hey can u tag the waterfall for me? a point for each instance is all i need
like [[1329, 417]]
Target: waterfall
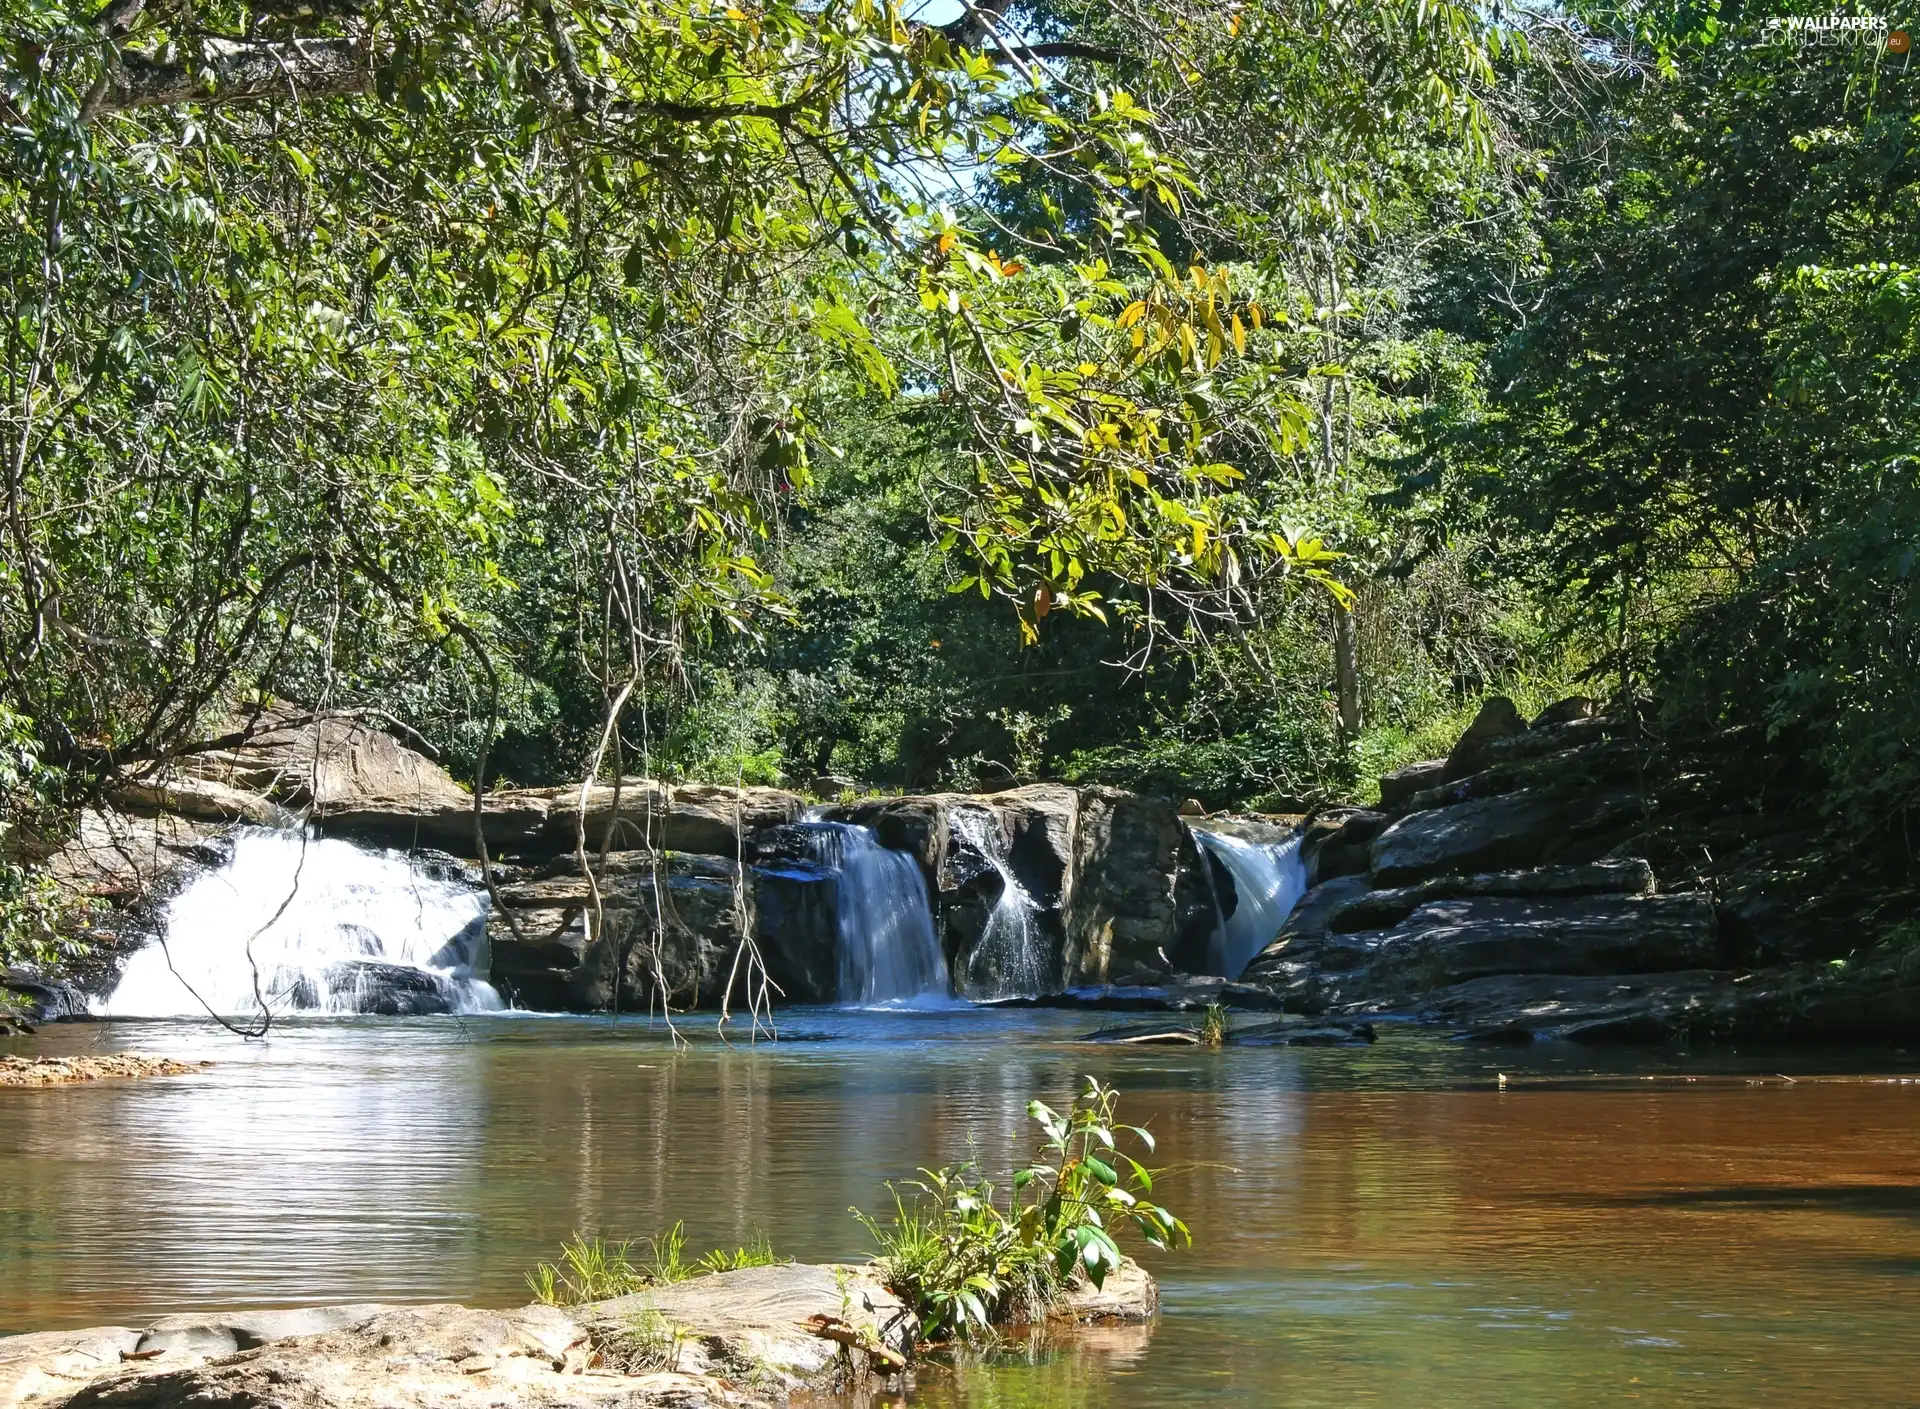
[[321, 926], [888, 952], [1010, 960], [1268, 881]]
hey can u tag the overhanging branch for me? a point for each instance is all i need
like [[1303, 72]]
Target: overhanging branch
[[237, 70]]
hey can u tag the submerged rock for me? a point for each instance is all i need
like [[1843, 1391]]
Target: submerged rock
[[1182, 996]]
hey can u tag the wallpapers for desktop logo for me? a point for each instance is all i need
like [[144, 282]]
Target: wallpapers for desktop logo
[[1839, 31]]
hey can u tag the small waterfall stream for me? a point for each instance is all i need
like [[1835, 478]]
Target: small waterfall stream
[[1009, 961], [888, 950], [327, 927], [1268, 881]]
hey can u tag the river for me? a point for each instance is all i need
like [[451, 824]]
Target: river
[[1384, 1224]]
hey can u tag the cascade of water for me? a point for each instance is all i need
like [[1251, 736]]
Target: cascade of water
[[1009, 961], [1268, 881], [888, 952], [314, 925]]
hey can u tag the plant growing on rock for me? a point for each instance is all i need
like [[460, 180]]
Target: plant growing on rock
[[593, 1269], [965, 1263], [1215, 1025]]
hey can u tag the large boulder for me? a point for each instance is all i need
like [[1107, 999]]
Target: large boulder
[[1123, 911], [1499, 718], [1378, 908], [1449, 941], [1562, 1007], [1512, 831]]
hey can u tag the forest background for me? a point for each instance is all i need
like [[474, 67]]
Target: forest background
[[1219, 399]]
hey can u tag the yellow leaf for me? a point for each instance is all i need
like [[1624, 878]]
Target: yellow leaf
[[1131, 314], [947, 241], [1239, 336]]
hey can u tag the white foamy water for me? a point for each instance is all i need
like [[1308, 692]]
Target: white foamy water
[[298, 924], [1009, 961], [1268, 881], [888, 953]]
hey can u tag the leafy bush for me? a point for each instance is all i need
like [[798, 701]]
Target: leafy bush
[[36, 917], [966, 1263]]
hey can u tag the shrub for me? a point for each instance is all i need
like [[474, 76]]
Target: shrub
[[965, 1263]]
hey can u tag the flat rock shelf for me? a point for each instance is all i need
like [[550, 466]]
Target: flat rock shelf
[[68, 1071], [741, 1339]]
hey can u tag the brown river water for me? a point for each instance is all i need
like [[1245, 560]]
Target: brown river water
[[1379, 1225]]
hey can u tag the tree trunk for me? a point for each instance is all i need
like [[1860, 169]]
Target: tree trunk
[[1346, 671]]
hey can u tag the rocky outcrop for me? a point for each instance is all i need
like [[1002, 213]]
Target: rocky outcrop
[[1526, 828], [1525, 897], [1125, 911], [354, 780], [681, 913], [749, 1339]]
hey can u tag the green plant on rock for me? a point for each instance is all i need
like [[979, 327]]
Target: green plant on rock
[[965, 1263], [590, 1269], [1215, 1025], [595, 1269], [758, 1253]]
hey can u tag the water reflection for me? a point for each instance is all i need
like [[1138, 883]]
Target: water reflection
[[1379, 1224]]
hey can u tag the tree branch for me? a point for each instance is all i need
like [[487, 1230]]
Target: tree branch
[[236, 70]]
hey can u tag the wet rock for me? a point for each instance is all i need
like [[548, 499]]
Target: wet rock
[[383, 990], [797, 907], [41, 1000], [1302, 937], [48, 1367], [1176, 996], [1291, 1032], [1514, 831], [1128, 1295], [1529, 1007], [553, 965], [1305, 1034], [1336, 842]]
